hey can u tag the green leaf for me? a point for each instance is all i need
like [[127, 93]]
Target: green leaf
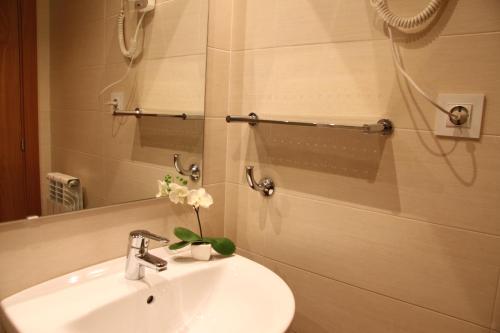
[[222, 245], [186, 235], [178, 245], [200, 242]]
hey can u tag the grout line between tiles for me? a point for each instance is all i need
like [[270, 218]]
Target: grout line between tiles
[[367, 290], [353, 41], [173, 56], [407, 129], [114, 159], [214, 184], [495, 304], [228, 98], [204, 103], [306, 44], [218, 49], [343, 204]]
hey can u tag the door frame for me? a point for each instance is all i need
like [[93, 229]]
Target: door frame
[[29, 102]]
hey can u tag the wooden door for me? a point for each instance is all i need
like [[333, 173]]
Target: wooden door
[[18, 121]]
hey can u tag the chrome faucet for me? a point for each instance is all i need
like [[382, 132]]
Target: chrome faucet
[[138, 256]]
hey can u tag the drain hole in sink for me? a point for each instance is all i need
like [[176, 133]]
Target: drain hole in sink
[[150, 299]]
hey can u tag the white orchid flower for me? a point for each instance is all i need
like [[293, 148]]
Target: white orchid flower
[[199, 198], [162, 189], [178, 193]]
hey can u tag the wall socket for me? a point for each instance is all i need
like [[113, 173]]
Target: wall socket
[[468, 107], [119, 96], [473, 103], [143, 5]]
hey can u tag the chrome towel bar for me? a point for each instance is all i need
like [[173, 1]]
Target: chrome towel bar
[[383, 126], [139, 113]]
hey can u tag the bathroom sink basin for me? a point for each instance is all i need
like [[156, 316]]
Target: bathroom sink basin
[[230, 294]]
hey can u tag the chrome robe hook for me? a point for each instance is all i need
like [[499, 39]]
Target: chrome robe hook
[[193, 172], [265, 186]]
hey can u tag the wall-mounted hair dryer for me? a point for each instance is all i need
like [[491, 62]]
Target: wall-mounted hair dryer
[[133, 49]]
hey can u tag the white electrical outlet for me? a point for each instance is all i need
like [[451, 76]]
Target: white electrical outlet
[[119, 97], [468, 107], [143, 5], [473, 103]]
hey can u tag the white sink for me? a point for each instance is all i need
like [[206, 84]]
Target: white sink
[[231, 294]]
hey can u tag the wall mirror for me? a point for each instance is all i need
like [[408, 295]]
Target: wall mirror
[[71, 85]]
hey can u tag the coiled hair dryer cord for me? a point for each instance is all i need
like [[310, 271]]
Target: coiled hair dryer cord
[[411, 22], [399, 22], [132, 52]]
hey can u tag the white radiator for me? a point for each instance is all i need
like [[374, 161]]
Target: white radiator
[[65, 193]]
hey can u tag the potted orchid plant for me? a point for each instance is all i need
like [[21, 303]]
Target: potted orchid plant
[[201, 246]]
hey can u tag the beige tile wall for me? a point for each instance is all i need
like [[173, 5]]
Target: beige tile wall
[[397, 234], [119, 159], [380, 235], [328, 305], [217, 90]]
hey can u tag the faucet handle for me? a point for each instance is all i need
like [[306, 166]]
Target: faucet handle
[[148, 235], [140, 238]]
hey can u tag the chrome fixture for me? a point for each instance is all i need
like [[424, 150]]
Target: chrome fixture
[[139, 113], [193, 172], [265, 186], [459, 115], [383, 126], [138, 256]]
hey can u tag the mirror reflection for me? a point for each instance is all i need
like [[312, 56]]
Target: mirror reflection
[[121, 88]]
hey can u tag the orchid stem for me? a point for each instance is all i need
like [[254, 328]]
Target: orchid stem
[[197, 210]]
